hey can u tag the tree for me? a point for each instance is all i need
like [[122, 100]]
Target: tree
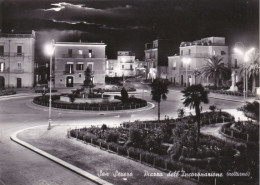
[[193, 97], [253, 69], [159, 91], [214, 68], [124, 95]]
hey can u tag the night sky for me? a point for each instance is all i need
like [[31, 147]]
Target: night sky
[[129, 24]]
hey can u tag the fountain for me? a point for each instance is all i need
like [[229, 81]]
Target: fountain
[[86, 94]]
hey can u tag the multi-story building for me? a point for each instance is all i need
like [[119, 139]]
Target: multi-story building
[[17, 60], [72, 59], [125, 65], [156, 57], [197, 51]]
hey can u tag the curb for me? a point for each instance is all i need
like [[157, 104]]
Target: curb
[[75, 169]]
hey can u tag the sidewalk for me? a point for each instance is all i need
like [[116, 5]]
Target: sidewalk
[[216, 95], [102, 164]]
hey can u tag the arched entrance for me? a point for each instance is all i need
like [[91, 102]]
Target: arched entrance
[[2, 82], [69, 81]]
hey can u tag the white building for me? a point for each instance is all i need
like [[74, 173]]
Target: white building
[[17, 60], [124, 65], [197, 51]]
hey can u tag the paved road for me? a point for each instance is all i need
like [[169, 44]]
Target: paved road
[[18, 165]]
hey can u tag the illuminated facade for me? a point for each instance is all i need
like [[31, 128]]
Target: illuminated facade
[[156, 57], [198, 51], [72, 59], [17, 60], [125, 65]]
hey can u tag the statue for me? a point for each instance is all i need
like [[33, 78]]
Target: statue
[[88, 82], [233, 85]]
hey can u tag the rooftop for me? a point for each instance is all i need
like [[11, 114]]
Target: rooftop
[[17, 35], [79, 43]]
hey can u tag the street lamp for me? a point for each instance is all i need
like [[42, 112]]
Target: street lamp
[[246, 58], [186, 62], [49, 50]]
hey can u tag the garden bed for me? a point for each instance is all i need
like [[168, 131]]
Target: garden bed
[[132, 103], [225, 92], [245, 131], [7, 92], [142, 141]]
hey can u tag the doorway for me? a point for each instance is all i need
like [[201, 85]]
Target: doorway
[[19, 82], [69, 81]]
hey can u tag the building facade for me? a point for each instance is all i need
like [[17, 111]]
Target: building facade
[[197, 52], [156, 57], [17, 60], [125, 65], [73, 58]]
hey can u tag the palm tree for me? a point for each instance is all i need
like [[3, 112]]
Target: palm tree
[[193, 97], [215, 69], [253, 69], [159, 91]]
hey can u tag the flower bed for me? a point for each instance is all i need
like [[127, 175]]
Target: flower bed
[[211, 156], [246, 131], [231, 93], [7, 92], [132, 103]]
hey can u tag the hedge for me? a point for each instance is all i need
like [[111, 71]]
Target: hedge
[[133, 103]]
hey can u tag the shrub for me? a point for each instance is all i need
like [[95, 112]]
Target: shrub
[[111, 136]]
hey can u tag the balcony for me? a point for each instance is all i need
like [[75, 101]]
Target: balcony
[[68, 72], [196, 55], [7, 54], [4, 71], [18, 71], [77, 56]]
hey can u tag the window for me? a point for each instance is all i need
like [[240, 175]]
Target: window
[[236, 63], [69, 68], [47, 65], [2, 67], [79, 75], [19, 65], [189, 52], [19, 50], [222, 52], [70, 52], [131, 67], [90, 53], [181, 52], [174, 65], [123, 66], [80, 67], [80, 52], [1, 50]]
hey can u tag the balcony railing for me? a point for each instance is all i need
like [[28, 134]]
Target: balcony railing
[[68, 72], [4, 71], [16, 35], [18, 71], [197, 55], [7, 54], [77, 56]]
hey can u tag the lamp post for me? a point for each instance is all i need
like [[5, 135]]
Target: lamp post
[[49, 50], [245, 54], [186, 61]]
